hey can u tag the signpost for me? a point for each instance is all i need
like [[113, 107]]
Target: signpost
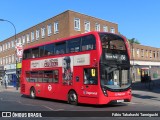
[[19, 54], [19, 50]]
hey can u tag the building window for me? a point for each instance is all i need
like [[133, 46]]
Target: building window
[[112, 30], [12, 43], [154, 54], [32, 36], [43, 30], [6, 46], [9, 45], [4, 61], [150, 54], [137, 52], [146, 53], [77, 24], [10, 59], [28, 40], [105, 28], [23, 39], [87, 26], [142, 53], [97, 27], [56, 27], [13, 58], [157, 54], [37, 34], [49, 29], [3, 47]]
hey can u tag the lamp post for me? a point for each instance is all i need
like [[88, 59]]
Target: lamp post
[[17, 81]]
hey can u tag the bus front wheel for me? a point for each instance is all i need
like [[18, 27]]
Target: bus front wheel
[[72, 98], [32, 93]]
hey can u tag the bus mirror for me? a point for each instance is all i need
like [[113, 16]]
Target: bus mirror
[[93, 72]]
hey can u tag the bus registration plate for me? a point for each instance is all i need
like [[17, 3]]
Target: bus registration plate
[[118, 101]]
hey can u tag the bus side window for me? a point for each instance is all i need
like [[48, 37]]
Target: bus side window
[[48, 76], [40, 76], [90, 76], [26, 54], [55, 76], [60, 48], [28, 76], [88, 43], [49, 49], [35, 52], [74, 45], [41, 51], [34, 76]]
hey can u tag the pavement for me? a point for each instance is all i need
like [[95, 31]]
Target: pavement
[[143, 95], [9, 89]]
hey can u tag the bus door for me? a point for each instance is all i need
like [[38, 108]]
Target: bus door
[[89, 87]]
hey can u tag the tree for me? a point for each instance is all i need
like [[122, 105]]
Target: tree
[[133, 40]]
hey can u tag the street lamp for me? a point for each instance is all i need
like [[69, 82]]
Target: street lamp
[[133, 71], [17, 81]]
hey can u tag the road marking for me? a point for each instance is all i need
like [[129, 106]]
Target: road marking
[[1, 99], [52, 109], [48, 107]]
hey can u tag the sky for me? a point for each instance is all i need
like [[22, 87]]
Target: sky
[[138, 19]]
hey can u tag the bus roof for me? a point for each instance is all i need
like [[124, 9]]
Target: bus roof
[[67, 38]]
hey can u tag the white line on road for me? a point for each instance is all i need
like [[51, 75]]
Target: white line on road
[[48, 107], [52, 109]]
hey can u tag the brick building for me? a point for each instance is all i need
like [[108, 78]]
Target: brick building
[[145, 57], [67, 24], [63, 25]]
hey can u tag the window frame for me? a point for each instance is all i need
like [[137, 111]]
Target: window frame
[[77, 24], [96, 77], [85, 41], [32, 36], [97, 27], [37, 80], [56, 27], [57, 45], [112, 30], [49, 29], [43, 32], [37, 34], [78, 39], [87, 26]]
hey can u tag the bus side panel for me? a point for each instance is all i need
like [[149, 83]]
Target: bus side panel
[[60, 89]]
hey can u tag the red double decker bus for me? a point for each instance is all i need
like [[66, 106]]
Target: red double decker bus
[[91, 68]]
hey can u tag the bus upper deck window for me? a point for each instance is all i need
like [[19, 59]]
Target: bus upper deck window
[[88, 43]]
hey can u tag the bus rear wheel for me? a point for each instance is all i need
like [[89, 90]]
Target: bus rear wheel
[[72, 98], [32, 93]]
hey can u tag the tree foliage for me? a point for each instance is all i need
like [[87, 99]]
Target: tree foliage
[[133, 40]]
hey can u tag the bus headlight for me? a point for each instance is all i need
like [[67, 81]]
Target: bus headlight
[[129, 92], [104, 91]]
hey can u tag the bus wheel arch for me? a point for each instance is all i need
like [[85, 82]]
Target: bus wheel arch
[[72, 97], [32, 92]]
